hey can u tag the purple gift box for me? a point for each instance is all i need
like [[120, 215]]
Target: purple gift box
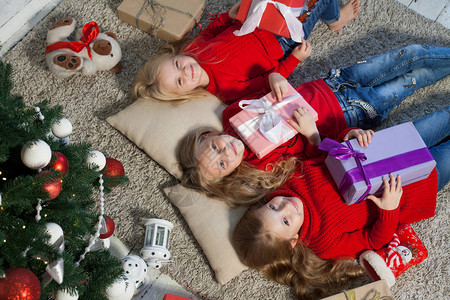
[[358, 171]]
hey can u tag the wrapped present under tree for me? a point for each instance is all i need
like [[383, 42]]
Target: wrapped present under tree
[[169, 20]]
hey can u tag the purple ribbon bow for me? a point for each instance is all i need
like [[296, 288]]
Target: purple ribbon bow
[[343, 152]]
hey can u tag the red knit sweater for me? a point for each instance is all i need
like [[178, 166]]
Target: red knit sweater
[[238, 66], [331, 124], [333, 229]]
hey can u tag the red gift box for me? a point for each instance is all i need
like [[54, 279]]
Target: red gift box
[[272, 20], [174, 297], [247, 122]]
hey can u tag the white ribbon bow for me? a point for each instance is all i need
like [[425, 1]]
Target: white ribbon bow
[[289, 14], [268, 122], [55, 269]]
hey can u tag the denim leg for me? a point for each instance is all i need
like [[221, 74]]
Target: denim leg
[[441, 154], [385, 67], [434, 129], [369, 90], [331, 13], [327, 10]]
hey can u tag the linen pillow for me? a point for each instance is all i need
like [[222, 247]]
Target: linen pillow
[[212, 222], [156, 127]]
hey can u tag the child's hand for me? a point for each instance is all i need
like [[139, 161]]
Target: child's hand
[[305, 124], [234, 10], [279, 85], [391, 196], [302, 51], [364, 137]]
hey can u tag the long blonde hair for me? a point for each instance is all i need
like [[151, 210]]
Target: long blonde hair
[[244, 186], [310, 276], [146, 84]]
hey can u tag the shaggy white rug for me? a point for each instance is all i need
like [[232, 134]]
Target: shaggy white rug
[[382, 25]]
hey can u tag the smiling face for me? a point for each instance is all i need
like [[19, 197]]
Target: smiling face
[[283, 216], [219, 155], [181, 74]]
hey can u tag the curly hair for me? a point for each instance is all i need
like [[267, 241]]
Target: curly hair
[[244, 186], [310, 276]]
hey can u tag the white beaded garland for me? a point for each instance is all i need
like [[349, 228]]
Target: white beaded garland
[[38, 111], [98, 225], [62, 128], [36, 154], [38, 210]]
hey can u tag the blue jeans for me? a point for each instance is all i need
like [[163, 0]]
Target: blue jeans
[[326, 10], [435, 131], [370, 89]]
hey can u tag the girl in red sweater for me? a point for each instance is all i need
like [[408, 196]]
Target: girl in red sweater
[[229, 66], [357, 96], [298, 236]]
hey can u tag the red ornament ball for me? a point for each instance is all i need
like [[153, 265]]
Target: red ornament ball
[[114, 168], [59, 162], [19, 284], [110, 226], [53, 186]]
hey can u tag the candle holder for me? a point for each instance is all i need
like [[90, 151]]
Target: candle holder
[[156, 243]]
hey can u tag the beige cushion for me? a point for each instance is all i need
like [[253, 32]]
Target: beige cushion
[[156, 127], [212, 222]]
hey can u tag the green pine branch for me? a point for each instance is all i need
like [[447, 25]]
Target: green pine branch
[[23, 240]]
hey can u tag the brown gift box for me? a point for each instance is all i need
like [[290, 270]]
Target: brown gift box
[[169, 20], [377, 290]]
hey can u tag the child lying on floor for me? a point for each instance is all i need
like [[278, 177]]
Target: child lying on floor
[[229, 66], [357, 96], [300, 235]]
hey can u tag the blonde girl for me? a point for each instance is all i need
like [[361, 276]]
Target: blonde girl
[[359, 96], [229, 66], [310, 276], [307, 214]]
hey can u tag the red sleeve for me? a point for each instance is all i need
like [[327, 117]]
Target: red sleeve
[[219, 24], [257, 85], [287, 66], [229, 112], [353, 243]]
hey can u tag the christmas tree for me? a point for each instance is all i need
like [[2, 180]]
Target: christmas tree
[[50, 219]]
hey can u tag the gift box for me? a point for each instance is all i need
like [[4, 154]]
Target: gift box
[[272, 19], [169, 20], [262, 123], [174, 297], [358, 171], [375, 290]]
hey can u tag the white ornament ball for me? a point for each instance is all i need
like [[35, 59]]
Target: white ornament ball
[[65, 295], [55, 231], [36, 154], [62, 128], [97, 158], [121, 289], [135, 269]]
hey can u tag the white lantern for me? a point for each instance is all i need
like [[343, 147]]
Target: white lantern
[[156, 244]]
